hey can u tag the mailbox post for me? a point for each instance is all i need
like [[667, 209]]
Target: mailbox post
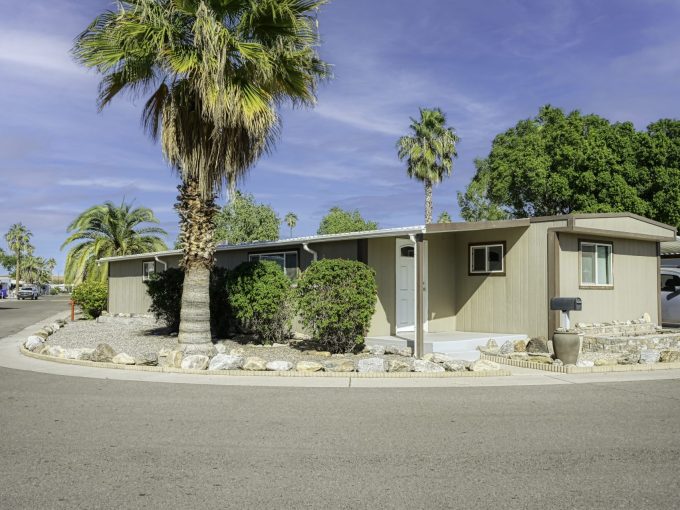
[[566, 345], [566, 305]]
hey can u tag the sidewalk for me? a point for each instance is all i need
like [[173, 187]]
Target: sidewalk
[[10, 357]]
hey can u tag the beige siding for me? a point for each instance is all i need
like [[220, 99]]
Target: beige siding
[[441, 312], [624, 225], [127, 292], [337, 250], [634, 270], [381, 257]]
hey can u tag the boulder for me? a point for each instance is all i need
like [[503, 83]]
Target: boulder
[[174, 359], [42, 334], [53, 350], [376, 350], [507, 348], [491, 346], [395, 365], [669, 356], [629, 359], [226, 362], [238, 351], [279, 366], [455, 365], [149, 359], [520, 346], [308, 366], [439, 357], [428, 356], [277, 344], [123, 359], [605, 362], [55, 326], [421, 365], [391, 349], [221, 348], [585, 363], [85, 354], [646, 318], [78, 353], [537, 345], [558, 363], [405, 351], [483, 365], [301, 336], [546, 360], [521, 356], [103, 353], [34, 342], [163, 353], [372, 365], [648, 356], [254, 363], [203, 349], [339, 365], [195, 362]]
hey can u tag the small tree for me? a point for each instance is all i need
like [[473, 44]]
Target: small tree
[[91, 297], [336, 301], [291, 220], [259, 294], [339, 221], [444, 217], [243, 220]]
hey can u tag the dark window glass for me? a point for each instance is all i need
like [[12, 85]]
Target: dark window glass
[[479, 259], [495, 258], [407, 251], [669, 282]]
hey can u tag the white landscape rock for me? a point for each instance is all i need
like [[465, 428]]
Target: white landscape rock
[[56, 326], [226, 362], [455, 365], [648, 356], [585, 363], [123, 358], [376, 350], [34, 342], [53, 350], [507, 348], [254, 363], [372, 365], [484, 365], [406, 352], [195, 362], [396, 365], [78, 353], [421, 365], [279, 366], [308, 366], [221, 348], [339, 365], [440, 357]]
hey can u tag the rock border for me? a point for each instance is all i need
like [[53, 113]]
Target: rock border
[[572, 369], [290, 373]]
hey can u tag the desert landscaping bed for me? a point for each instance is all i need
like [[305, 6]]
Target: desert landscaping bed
[[140, 343]]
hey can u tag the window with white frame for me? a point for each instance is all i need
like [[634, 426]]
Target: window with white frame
[[487, 258], [288, 260], [596, 264], [148, 268]]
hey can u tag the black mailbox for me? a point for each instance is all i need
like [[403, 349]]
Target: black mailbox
[[566, 304]]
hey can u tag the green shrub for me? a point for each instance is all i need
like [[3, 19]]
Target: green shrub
[[92, 297], [260, 298], [336, 300], [165, 291]]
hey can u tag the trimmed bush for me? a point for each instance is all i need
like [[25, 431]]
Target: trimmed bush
[[165, 291], [91, 297], [260, 296], [336, 300]]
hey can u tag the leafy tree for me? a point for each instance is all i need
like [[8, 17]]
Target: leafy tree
[[557, 163], [474, 203], [429, 151], [19, 242], [291, 220], [243, 220], [7, 261], [216, 71], [107, 230], [339, 221], [444, 217]]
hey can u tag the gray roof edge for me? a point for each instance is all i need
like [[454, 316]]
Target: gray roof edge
[[347, 236]]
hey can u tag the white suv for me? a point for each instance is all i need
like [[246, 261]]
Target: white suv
[[28, 292]]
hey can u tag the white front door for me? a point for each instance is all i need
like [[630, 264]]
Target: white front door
[[406, 284]]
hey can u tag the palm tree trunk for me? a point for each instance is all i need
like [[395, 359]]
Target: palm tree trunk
[[17, 273], [231, 183], [428, 201], [196, 231]]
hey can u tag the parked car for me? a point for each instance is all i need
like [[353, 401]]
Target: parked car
[[28, 292], [670, 296]]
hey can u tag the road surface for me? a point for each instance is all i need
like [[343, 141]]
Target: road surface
[[16, 315]]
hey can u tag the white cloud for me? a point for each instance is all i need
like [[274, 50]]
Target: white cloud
[[112, 182], [22, 48]]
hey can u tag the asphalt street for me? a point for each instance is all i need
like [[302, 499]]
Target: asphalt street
[[16, 315], [73, 442]]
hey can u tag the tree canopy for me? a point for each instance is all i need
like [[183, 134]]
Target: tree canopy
[[339, 221], [559, 163], [243, 220]]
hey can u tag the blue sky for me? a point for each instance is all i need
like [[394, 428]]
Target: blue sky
[[486, 64]]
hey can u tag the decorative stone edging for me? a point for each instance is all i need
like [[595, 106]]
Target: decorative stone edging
[[291, 373], [571, 369]]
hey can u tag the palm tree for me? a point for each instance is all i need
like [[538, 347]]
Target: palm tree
[[38, 269], [107, 230], [429, 151], [216, 71], [291, 220], [19, 241]]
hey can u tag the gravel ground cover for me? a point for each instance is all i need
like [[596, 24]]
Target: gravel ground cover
[[138, 335]]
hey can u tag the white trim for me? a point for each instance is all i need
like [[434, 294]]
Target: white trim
[[486, 247], [610, 264]]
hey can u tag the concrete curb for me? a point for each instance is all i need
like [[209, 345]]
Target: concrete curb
[[581, 370]]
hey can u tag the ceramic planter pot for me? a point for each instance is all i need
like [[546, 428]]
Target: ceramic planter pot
[[567, 347]]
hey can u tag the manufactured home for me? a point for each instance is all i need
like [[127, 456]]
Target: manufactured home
[[452, 283]]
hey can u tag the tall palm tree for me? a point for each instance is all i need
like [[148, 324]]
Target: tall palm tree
[[291, 220], [19, 241], [107, 230], [38, 269], [215, 72], [429, 151]]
